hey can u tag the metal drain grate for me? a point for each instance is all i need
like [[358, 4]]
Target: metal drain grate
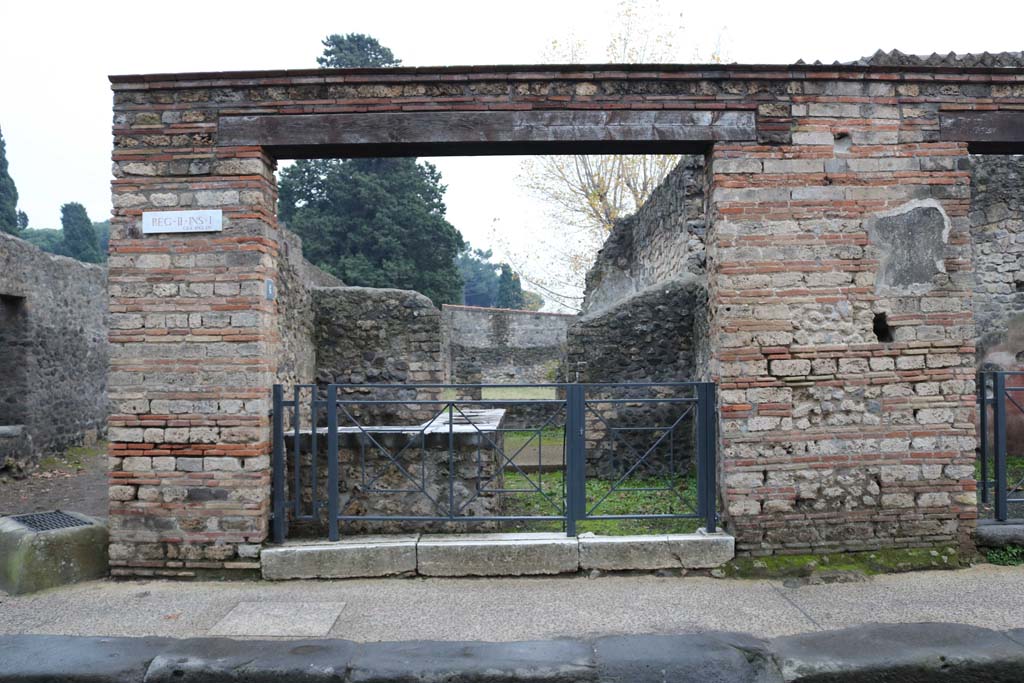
[[49, 521]]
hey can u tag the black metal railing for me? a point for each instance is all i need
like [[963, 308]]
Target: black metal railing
[[389, 458], [1001, 453]]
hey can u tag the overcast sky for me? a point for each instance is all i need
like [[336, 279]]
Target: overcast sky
[[55, 101]]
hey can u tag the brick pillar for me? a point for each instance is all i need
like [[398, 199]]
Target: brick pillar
[[841, 328], [193, 343]]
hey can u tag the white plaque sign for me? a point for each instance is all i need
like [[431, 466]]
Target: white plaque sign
[[182, 221]]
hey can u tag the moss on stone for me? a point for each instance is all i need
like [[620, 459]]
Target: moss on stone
[[885, 561]]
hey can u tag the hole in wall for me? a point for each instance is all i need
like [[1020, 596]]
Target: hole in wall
[[883, 331], [1020, 356], [1019, 285], [843, 142]]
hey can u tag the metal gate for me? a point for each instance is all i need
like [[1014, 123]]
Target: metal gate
[[385, 458], [1001, 455]]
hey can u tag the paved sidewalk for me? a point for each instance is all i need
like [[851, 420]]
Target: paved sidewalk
[[513, 609]]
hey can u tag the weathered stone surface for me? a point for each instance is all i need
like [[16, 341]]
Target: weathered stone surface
[[36, 560], [905, 652], [214, 660], [704, 658], [53, 353], [351, 558], [911, 240], [69, 659], [688, 551], [999, 535], [557, 661], [497, 555]]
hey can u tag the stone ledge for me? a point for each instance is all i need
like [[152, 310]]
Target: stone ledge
[[497, 555], [873, 652], [683, 551], [997, 535], [370, 556], [521, 554]]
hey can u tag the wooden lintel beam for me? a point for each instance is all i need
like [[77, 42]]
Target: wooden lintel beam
[[491, 132]]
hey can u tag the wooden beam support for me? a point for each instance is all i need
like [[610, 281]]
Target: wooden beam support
[[986, 132], [490, 132]]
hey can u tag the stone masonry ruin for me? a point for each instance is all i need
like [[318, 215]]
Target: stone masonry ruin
[[846, 381], [53, 353]]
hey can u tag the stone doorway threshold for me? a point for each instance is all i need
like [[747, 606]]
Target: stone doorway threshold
[[522, 554]]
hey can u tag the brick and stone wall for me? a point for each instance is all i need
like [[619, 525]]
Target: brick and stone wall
[[662, 241], [841, 280], [53, 353], [997, 229], [832, 436], [378, 336], [507, 346]]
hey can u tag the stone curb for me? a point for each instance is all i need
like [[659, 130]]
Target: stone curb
[[906, 652]]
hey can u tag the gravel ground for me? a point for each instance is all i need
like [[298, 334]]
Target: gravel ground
[[75, 480]]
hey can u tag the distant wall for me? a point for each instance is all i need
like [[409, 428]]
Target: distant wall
[[53, 352], [506, 345]]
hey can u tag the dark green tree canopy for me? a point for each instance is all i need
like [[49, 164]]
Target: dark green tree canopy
[[375, 223], [8, 194], [479, 277], [355, 50], [510, 289], [80, 239]]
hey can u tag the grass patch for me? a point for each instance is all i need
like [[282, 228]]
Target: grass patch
[[505, 393], [886, 561], [75, 457], [533, 393], [550, 437], [1007, 556], [618, 502], [1014, 468]]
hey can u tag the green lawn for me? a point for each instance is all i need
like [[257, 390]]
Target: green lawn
[[617, 503]]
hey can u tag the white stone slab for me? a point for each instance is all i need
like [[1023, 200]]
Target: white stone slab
[[687, 551], [349, 558], [497, 555], [283, 619]]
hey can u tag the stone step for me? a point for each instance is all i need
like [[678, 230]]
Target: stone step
[[519, 554]]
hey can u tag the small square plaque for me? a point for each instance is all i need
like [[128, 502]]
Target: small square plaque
[[156, 222]]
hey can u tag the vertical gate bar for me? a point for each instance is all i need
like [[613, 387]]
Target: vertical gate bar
[[451, 459], [711, 462], [576, 503], [277, 483], [297, 470], [983, 421], [707, 502], [999, 395], [313, 456], [332, 462], [702, 453]]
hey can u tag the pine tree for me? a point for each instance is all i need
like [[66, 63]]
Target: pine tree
[[510, 289], [80, 240], [8, 194], [373, 222]]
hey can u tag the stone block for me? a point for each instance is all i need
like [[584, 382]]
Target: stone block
[[35, 560], [363, 557], [497, 555], [687, 551]]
